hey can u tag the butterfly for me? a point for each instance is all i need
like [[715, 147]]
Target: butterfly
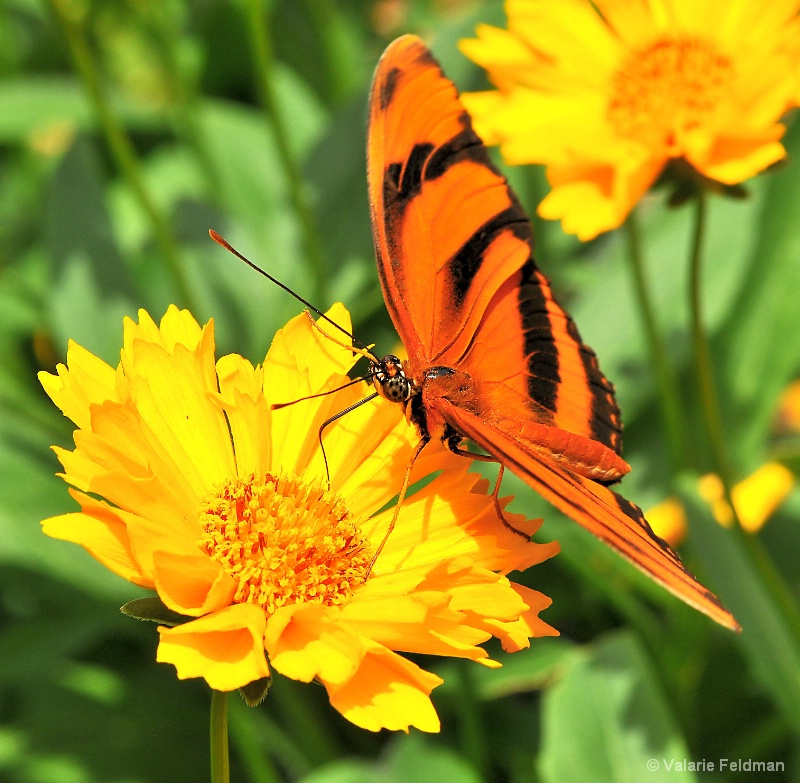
[[492, 357]]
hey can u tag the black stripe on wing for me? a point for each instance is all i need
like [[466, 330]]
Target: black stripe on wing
[[403, 182], [543, 360]]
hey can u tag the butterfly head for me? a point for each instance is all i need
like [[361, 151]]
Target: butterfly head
[[390, 380]]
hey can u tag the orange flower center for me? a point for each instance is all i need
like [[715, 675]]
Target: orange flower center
[[284, 542], [668, 90]]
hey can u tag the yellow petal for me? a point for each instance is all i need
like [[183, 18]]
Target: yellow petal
[[225, 648], [308, 641], [387, 692], [88, 380], [761, 493], [569, 32], [188, 427], [453, 517], [178, 327], [122, 460], [301, 361], [248, 414], [192, 584], [421, 622], [735, 159], [516, 635], [668, 521], [103, 533], [789, 407], [592, 199]]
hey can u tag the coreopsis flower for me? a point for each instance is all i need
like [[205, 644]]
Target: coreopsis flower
[[606, 93], [192, 485], [789, 409], [756, 498]]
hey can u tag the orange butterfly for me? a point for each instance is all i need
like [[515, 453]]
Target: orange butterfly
[[492, 356]]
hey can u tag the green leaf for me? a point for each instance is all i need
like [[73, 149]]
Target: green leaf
[[255, 692], [608, 720], [347, 771], [408, 758], [261, 223], [522, 672], [152, 609], [91, 289], [758, 348], [36, 104], [736, 569], [423, 760]]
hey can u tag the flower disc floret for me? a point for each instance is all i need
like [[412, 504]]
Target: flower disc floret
[[284, 541]]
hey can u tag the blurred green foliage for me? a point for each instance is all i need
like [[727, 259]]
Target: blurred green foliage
[[127, 130]]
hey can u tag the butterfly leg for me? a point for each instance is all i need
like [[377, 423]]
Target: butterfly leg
[[453, 442], [332, 419], [400, 498]]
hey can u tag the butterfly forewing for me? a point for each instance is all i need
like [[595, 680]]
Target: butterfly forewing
[[453, 245]]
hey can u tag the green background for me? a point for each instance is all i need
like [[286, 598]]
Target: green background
[[233, 116]]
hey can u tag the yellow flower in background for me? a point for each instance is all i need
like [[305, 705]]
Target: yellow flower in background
[[756, 499], [605, 94], [191, 485], [789, 409]]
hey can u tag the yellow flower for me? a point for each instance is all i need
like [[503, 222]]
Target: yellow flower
[[756, 499], [789, 409], [606, 93], [191, 485]]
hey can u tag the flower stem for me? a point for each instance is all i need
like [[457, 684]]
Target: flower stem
[[323, 17], [220, 764], [702, 358], [769, 575], [668, 396], [265, 76], [120, 144]]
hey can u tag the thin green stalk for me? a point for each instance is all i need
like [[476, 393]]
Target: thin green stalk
[[702, 357], [668, 395], [265, 76], [760, 558], [220, 763], [120, 145], [187, 107], [323, 17]]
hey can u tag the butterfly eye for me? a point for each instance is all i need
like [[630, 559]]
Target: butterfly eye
[[389, 379]]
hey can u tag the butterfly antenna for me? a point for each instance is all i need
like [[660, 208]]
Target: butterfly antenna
[[220, 240], [278, 405]]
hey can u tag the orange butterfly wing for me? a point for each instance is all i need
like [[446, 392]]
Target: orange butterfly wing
[[462, 254], [454, 250]]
